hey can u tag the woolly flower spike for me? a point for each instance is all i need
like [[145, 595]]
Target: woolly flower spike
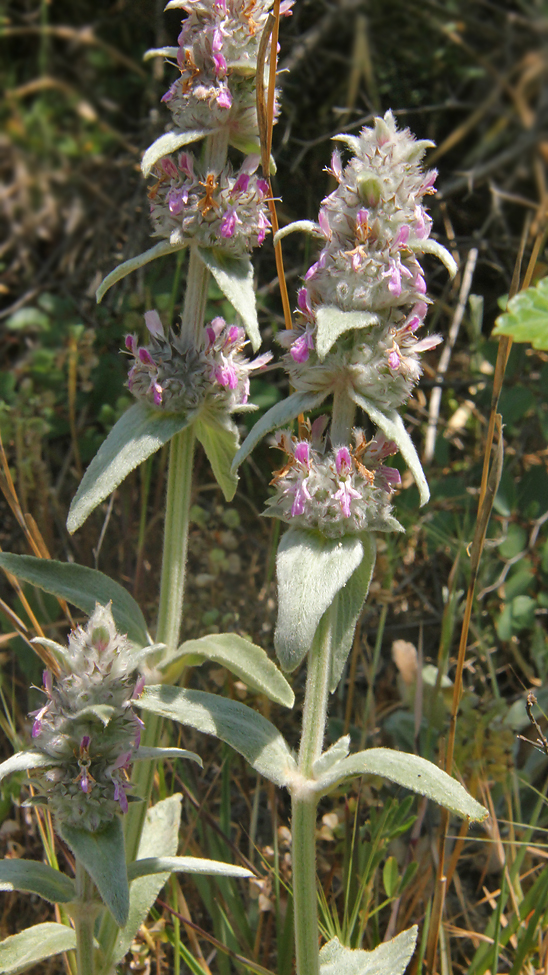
[[381, 363], [171, 376], [337, 492], [223, 209], [217, 59], [374, 223], [88, 727]]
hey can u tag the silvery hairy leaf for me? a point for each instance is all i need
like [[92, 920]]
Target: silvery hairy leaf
[[159, 838], [134, 263], [332, 323], [82, 587], [38, 878], [245, 659], [391, 424], [33, 945], [138, 434], [102, 855], [234, 275], [311, 569], [24, 760], [279, 414], [350, 600], [155, 865], [238, 725], [410, 771], [170, 141], [218, 436], [390, 958]]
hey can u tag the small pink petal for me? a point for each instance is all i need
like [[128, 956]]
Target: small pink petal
[[154, 323]]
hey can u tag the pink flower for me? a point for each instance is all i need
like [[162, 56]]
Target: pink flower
[[146, 358], [229, 223], [343, 461], [302, 452], [241, 184], [154, 323], [224, 98], [394, 359], [169, 168], [300, 349]]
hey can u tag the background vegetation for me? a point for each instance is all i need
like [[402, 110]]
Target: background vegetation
[[79, 109]]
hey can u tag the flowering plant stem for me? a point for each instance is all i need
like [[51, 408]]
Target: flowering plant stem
[[304, 800], [84, 921], [176, 525]]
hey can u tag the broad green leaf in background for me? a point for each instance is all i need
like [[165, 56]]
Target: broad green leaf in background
[[391, 958], [392, 426], [218, 436], [33, 945], [350, 600], [138, 434], [155, 865], [245, 659], [134, 263], [332, 323], [410, 771], [239, 726], [24, 760], [160, 838], [82, 587], [37, 878], [170, 142], [234, 275], [311, 569], [102, 855], [282, 412], [527, 317]]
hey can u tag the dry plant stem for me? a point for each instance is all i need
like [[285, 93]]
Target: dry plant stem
[[445, 357], [304, 801], [84, 920], [265, 117]]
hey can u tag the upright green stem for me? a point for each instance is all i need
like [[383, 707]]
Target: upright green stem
[[342, 419], [179, 485], [84, 921], [304, 800]]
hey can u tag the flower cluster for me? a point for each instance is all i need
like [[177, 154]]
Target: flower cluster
[[373, 225], [217, 60], [338, 491], [87, 727], [170, 375], [224, 209]]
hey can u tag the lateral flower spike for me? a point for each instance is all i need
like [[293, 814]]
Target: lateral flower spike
[[86, 735]]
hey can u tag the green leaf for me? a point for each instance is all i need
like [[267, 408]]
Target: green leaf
[[159, 838], [145, 753], [37, 878], [281, 413], [410, 771], [392, 426], [33, 945], [219, 437], [430, 246], [234, 275], [24, 760], [527, 317], [390, 876], [390, 958], [139, 432], [239, 726], [311, 570], [134, 263], [102, 855], [155, 865], [249, 662], [335, 753], [168, 143], [332, 323], [83, 588], [350, 602]]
